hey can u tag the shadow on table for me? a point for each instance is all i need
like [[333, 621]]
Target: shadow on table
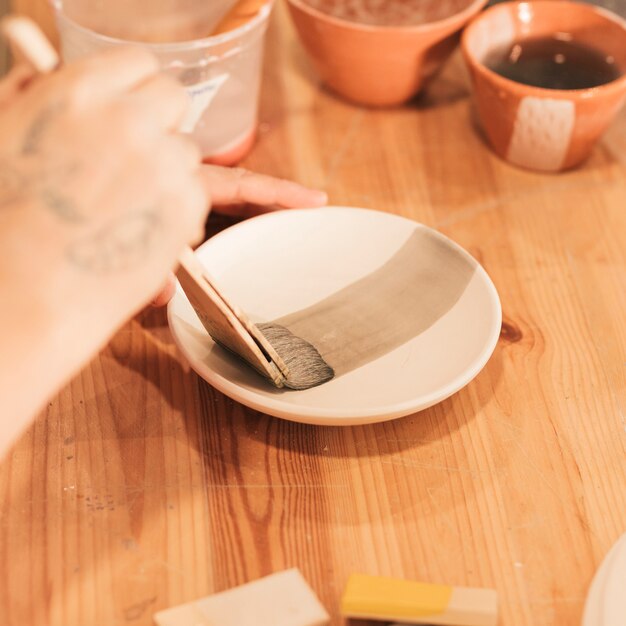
[[260, 456], [378, 440]]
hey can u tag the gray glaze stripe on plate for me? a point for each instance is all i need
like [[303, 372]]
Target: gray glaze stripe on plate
[[385, 309]]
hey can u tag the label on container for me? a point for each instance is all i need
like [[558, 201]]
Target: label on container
[[202, 95]]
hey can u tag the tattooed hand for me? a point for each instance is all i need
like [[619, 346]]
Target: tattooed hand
[[98, 195]]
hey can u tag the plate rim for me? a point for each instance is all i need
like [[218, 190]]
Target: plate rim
[[595, 600], [345, 417]]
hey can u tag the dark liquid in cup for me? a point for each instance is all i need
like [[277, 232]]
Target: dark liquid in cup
[[554, 63]]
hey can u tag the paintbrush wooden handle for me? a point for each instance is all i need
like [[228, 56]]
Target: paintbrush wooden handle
[[191, 265], [241, 13], [218, 318], [29, 44]]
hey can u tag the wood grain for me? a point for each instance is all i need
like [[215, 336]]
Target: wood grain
[[140, 487]]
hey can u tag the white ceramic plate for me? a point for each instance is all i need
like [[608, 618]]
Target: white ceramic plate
[[615, 587], [286, 261], [606, 599], [593, 614]]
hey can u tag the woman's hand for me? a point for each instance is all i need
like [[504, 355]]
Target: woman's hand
[[234, 187], [98, 195], [234, 190]]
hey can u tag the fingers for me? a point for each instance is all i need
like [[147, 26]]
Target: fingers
[[245, 210], [186, 194], [19, 76], [166, 293], [235, 185], [232, 186], [199, 204], [109, 74], [183, 151], [162, 101]]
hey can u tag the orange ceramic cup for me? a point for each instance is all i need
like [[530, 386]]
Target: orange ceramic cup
[[544, 129], [378, 65]]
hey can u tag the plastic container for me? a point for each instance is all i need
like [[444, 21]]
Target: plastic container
[[221, 73]]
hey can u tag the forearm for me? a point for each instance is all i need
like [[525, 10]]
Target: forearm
[[31, 366], [47, 333], [98, 195]]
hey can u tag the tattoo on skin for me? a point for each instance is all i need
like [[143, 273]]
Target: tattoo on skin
[[119, 245], [35, 134], [60, 204], [19, 187], [20, 184], [12, 184]]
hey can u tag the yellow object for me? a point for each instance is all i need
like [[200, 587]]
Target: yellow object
[[387, 599], [242, 12]]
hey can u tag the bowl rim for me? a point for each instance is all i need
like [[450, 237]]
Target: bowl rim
[[522, 89], [452, 20], [173, 46]]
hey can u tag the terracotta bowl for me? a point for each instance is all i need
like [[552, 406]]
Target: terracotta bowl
[[378, 65], [544, 129]]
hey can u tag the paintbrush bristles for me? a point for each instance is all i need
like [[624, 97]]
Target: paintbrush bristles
[[306, 366]]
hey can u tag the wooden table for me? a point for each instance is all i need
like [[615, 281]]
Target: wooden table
[[141, 487]]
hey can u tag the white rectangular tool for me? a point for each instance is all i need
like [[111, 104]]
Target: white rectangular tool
[[282, 599]]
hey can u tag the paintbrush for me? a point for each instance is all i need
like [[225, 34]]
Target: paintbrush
[[271, 349], [241, 13]]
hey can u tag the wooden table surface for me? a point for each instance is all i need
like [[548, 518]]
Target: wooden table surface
[[141, 487]]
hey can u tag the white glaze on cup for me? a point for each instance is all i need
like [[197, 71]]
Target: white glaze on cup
[[542, 133]]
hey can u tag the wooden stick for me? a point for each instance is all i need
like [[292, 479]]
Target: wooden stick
[[29, 44]]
